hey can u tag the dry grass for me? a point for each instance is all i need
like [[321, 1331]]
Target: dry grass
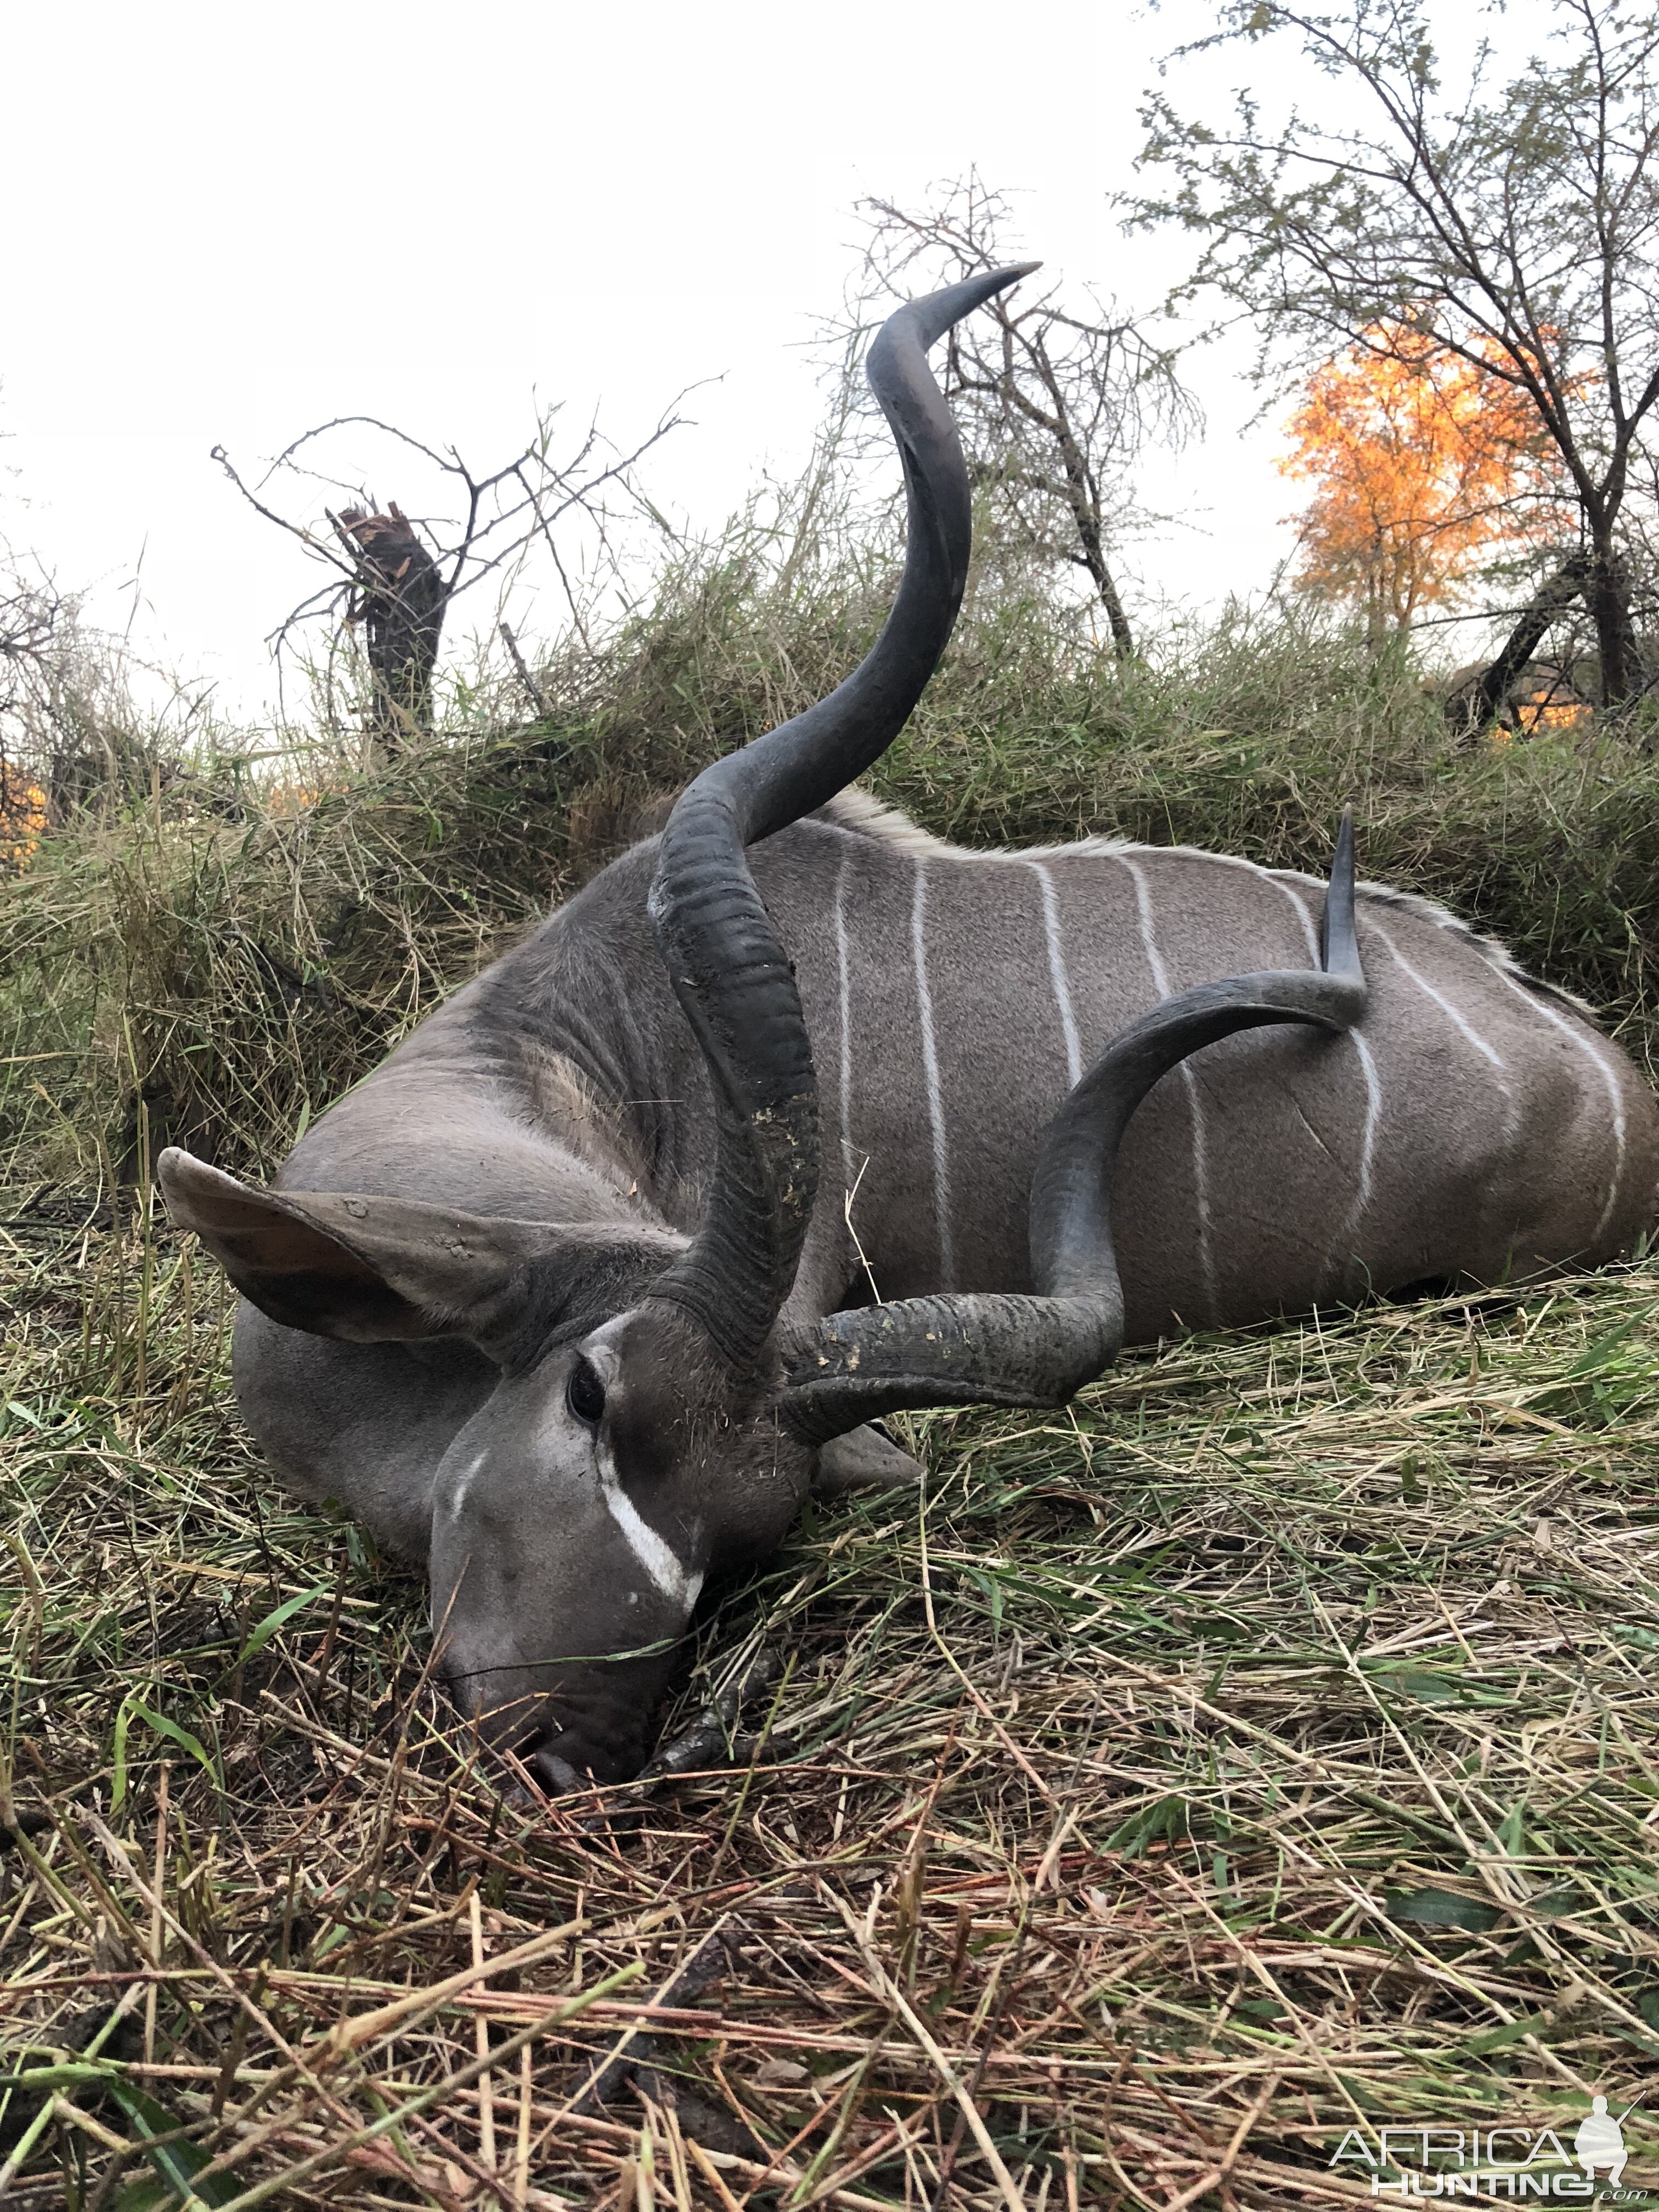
[[1270, 1751]]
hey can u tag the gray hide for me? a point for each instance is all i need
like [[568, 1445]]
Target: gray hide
[[456, 1268]]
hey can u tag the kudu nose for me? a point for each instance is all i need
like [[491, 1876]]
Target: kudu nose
[[566, 1762], [558, 1777], [569, 1736]]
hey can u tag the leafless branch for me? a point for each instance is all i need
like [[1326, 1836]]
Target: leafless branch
[[396, 575], [1055, 402]]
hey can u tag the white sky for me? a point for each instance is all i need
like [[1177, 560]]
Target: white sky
[[224, 224]]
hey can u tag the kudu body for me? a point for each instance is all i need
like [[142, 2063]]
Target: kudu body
[[623, 1246]]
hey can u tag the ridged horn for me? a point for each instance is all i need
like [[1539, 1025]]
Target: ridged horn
[[728, 968]]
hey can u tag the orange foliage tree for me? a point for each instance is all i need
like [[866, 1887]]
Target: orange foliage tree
[[1421, 463], [22, 820]]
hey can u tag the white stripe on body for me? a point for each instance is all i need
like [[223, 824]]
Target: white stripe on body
[[1200, 1158], [1443, 1003], [1302, 915], [1058, 980], [930, 1065], [846, 1023], [1609, 1076], [1285, 890], [1340, 1249], [1466, 1028]]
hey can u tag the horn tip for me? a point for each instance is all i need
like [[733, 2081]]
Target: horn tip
[[929, 318], [998, 280]]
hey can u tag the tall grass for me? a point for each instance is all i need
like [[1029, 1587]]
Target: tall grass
[[228, 956]]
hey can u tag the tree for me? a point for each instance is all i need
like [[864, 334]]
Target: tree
[[1421, 463], [1512, 228], [35, 620], [23, 808], [68, 730], [398, 579], [1054, 403], [401, 600]]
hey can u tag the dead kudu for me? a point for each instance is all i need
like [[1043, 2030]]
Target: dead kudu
[[571, 1298]]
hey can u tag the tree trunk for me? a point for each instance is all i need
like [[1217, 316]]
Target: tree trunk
[[1473, 707], [401, 598], [1123, 643], [1083, 495], [1608, 593]]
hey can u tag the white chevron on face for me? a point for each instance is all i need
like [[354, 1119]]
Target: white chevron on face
[[671, 1576]]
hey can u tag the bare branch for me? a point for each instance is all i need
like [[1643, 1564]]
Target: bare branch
[[1055, 402], [396, 575]]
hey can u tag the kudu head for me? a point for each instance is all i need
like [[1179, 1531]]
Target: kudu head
[[651, 1422]]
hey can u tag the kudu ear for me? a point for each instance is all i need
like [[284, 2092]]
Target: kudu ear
[[372, 1269]]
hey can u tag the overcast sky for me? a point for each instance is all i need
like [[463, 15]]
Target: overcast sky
[[224, 224]]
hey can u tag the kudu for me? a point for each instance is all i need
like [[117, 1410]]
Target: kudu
[[571, 1296]]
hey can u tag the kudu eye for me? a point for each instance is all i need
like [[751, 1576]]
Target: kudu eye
[[585, 1394]]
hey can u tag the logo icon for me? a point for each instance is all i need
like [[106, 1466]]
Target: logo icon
[[1600, 2142], [1498, 2166]]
